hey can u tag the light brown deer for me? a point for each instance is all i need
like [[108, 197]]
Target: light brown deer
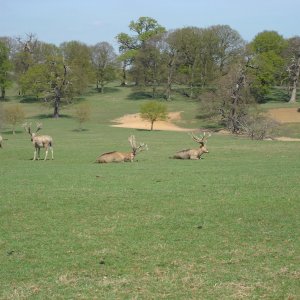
[[116, 156], [194, 153], [39, 141]]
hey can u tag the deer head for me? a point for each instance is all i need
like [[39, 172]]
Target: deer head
[[201, 140], [28, 129]]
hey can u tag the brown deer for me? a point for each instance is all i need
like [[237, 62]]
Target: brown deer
[[194, 153], [39, 141], [1, 140], [116, 156]]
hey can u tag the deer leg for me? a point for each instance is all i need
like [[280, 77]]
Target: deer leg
[[52, 152], [34, 154], [46, 153]]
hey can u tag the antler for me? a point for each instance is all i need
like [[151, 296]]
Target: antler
[[201, 139], [39, 126], [135, 148], [27, 127]]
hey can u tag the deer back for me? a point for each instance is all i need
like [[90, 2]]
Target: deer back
[[42, 140], [115, 156]]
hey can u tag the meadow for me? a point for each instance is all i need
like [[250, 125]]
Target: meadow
[[224, 227]]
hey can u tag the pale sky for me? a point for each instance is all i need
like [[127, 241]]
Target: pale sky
[[93, 21]]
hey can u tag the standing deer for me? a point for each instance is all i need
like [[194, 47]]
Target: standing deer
[[116, 156], [194, 153], [39, 141]]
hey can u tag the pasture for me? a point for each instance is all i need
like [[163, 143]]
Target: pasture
[[224, 227]]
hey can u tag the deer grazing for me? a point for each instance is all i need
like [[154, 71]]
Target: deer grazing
[[39, 141], [194, 153], [116, 156]]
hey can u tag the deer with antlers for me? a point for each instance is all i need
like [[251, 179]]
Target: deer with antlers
[[194, 153], [116, 156], [39, 141]]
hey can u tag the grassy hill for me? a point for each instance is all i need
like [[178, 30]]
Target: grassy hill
[[225, 227]]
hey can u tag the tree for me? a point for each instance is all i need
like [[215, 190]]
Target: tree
[[144, 28], [82, 113], [230, 100], [104, 64], [59, 74], [293, 66], [153, 111], [267, 58], [14, 114], [5, 67]]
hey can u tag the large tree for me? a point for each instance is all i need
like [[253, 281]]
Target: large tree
[[5, 67], [104, 60], [293, 66], [267, 58], [129, 45]]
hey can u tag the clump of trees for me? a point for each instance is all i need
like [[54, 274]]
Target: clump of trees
[[213, 64]]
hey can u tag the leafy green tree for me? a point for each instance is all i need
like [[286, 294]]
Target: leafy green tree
[[267, 58], [59, 75], [14, 114], [5, 67], [144, 29], [153, 111], [104, 64]]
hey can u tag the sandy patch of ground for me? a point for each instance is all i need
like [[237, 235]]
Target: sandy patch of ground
[[285, 115], [135, 121]]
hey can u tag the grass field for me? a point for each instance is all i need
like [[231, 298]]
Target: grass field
[[225, 227]]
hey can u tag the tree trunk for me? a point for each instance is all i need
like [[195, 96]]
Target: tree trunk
[[295, 78], [3, 93], [152, 122], [56, 103]]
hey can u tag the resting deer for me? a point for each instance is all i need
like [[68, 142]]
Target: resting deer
[[116, 156], [194, 153], [39, 141]]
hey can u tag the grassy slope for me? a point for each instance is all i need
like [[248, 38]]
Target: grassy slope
[[223, 227]]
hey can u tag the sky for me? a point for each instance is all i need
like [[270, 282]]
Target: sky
[[94, 21]]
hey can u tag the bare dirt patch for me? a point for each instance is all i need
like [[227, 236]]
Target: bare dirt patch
[[135, 121], [285, 115]]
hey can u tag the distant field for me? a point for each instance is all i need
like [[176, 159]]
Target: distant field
[[225, 227]]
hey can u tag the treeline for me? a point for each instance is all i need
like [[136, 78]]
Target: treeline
[[206, 63]]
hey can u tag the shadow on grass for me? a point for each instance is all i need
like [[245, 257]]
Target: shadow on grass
[[50, 116], [140, 95], [29, 99], [80, 130]]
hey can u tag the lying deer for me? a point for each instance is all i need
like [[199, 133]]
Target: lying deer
[[116, 156], [194, 153], [39, 141]]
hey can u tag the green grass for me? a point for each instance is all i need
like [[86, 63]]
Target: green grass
[[225, 227]]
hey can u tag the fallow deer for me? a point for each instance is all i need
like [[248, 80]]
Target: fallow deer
[[194, 153], [116, 156], [39, 141]]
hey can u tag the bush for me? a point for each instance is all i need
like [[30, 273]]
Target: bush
[[82, 113], [13, 115]]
